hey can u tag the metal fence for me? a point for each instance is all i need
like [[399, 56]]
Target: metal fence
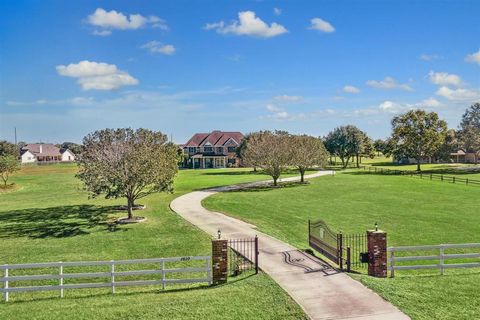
[[242, 255], [441, 257], [423, 175], [57, 271]]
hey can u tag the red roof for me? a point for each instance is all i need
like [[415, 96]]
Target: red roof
[[215, 138]]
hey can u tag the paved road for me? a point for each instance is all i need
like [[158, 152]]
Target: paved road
[[325, 294]]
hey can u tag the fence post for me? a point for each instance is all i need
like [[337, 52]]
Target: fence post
[[349, 259], [441, 177], [256, 251], [112, 272], [392, 263], [466, 182], [163, 275], [61, 279], [340, 250], [219, 261], [377, 253], [5, 295], [209, 270], [442, 259]]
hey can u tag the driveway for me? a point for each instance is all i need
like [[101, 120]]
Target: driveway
[[323, 294]]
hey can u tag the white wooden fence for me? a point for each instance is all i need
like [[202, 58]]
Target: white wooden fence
[[441, 257], [60, 275]]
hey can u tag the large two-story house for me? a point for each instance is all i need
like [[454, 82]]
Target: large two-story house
[[213, 150]]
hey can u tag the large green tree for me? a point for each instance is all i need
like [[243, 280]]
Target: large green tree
[[127, 163], [418, 134], [469, 133], [269, 150], [307, 152], [345, 142]]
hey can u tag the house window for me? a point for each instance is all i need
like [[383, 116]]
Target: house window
[[232, 149], [220, 149], [192, 149], [208, 149]]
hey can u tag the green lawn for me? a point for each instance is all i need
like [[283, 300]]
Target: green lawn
[[412, 211], [49, 218]]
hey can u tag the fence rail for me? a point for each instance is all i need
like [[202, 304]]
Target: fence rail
[[7, 278], [441, 257], [423, 175]]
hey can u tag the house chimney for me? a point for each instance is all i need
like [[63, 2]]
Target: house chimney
[[41, 149]]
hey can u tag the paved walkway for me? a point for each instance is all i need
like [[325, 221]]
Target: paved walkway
[[325, 294]]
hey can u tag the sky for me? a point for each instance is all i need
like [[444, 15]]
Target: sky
[[68, 68]]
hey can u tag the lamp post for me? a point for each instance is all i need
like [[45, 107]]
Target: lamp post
[[219, 232]]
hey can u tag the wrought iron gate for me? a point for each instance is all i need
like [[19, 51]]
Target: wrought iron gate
[[343, 250]]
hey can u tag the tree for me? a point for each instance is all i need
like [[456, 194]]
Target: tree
[[449, 145], [72, 146], [240, 151], [307, 152], [380, 146], [345, 142], [270, 151], [469, 133], [127, 163], [7, 148], [368, 149], [418, 134], [8, 165]]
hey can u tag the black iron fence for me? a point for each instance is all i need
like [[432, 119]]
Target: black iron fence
[[242, 255], [423, 175]]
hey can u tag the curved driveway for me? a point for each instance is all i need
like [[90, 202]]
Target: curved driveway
[[325, 294]]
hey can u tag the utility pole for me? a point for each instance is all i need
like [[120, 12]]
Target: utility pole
[[15, 136]]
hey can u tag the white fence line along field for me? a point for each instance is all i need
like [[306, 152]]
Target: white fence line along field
[[441, 257], [58, 273]]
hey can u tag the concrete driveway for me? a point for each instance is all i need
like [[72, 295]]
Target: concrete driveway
[[324, 294]]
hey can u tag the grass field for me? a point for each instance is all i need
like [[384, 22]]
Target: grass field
[[412, 211], [49, 218]]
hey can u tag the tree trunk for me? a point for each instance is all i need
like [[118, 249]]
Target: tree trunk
[[275, 181], [302, 174], [418, 165], [254, 169], [358, 163], [130, 208]]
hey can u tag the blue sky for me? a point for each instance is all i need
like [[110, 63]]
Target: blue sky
[[70, 67]]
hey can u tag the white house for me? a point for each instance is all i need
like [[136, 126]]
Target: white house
[[45, 152]]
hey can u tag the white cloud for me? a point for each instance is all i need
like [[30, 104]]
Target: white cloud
[[321, 25], [430, 103], [158, 47], [459, 94], [111, 20], [388, 83], [350, 89], [429, 57], [287, 98], [444, 79], [273, 108], [277, 11], [474, 57], [248, 24], [97, 75]]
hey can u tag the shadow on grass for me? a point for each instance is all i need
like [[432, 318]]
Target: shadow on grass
[[270, 187], [399, 172], [54, 222]]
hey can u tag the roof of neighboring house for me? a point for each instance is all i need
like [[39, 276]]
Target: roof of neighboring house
[[215, 138], [48, 149]]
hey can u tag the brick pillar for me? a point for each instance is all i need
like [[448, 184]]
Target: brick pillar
[[219, 261], [377, 253]]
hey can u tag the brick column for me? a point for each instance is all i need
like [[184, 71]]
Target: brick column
[[377, 253], [219, 261]]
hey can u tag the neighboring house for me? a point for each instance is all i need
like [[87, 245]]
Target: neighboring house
[[44, 153], [212, 150], [461, 156]]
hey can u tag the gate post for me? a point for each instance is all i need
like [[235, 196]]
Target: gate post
[[219, 261], [377, 253]]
